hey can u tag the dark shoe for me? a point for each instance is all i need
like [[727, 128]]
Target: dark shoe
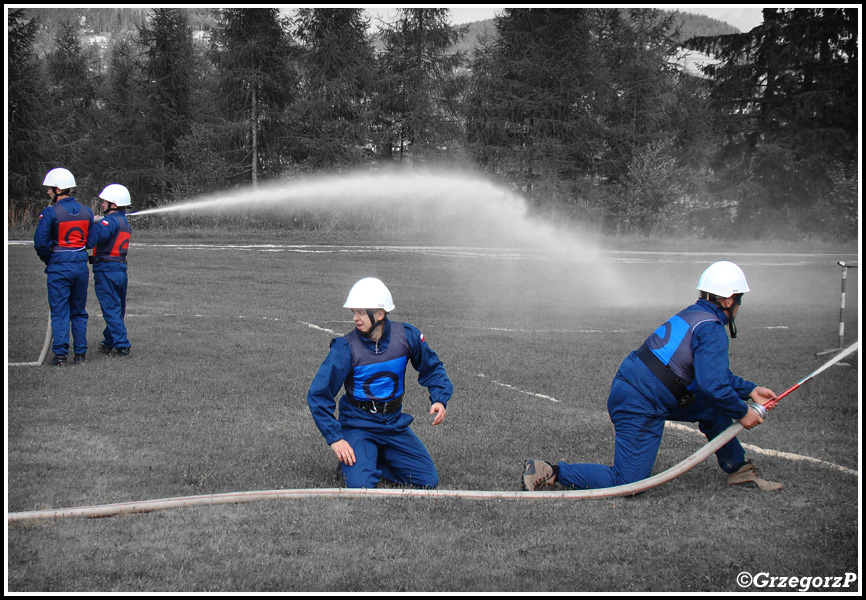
[[106, 350], [121, 352], [58, 361], [747, 473], [79, 359], [537, 473]]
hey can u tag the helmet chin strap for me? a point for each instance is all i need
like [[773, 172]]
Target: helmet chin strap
[[373, 323], [732, 325]]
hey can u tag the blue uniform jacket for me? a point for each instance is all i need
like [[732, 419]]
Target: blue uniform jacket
[[43, 238], [104, 230], [337, 367], [714, 382]]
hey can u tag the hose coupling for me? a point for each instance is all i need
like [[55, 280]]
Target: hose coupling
[[759, 408]]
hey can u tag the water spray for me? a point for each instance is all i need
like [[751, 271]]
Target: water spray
[[238, 497]]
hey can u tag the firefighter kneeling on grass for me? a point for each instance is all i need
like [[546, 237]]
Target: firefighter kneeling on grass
[[371, 438], [680, 373]]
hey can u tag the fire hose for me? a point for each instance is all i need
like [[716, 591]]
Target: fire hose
[[239, 497], [45, 346]]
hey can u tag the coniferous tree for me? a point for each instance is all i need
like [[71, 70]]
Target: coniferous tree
[[788, 92], [168, 71], [415, 103], [124, 134], [332, 114], [71, 93], [26, 109], [257, 82], [537, 98]]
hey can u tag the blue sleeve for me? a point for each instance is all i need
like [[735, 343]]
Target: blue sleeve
[[42, 238], [713, 378], [322, 396], [431, 371], [101, 231], [93, 232]]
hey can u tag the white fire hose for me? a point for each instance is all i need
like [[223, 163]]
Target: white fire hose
[[238, 497], [45, 346]]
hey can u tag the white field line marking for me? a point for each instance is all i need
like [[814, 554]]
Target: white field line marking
[[511, 387], [776, 453], [311, 326]]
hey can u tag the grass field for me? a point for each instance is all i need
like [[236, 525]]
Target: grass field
[[226, 340]]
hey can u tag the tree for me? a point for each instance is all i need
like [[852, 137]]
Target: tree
[[71, 92], [416, 102], [26, 107], [333, 111], [128, 155], [168, 69], [536, 99], [252, 54], [788, 92]]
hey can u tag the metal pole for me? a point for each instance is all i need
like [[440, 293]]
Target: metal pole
[[845, 266]]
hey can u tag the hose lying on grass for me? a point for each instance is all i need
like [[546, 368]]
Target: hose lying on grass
[[45, 345], [238, 497]]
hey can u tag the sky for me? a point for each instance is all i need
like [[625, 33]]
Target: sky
[[743, 17]]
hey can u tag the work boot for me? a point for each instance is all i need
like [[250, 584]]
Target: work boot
[[58, 360], [121, 352], [537, 473], [747, 473], [79, 359]]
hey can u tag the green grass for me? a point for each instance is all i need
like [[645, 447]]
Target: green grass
[[213, 401]]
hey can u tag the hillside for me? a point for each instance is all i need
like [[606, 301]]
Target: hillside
[[111, 21]]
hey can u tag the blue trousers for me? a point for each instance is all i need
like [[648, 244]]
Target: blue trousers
[[110, 287], [639, 426], [67, 298], [398, 456]]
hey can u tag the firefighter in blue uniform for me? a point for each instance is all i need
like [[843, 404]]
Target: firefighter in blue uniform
[[110, 269], [371, 437], [62, 237], [680, 373]]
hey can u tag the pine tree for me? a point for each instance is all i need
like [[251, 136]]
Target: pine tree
[[332, 114], [257, 81], [415, 104], [536, 99], [26, 109], [168, 68], [71, 92], [788, 92]]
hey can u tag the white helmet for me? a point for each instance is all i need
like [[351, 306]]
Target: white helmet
[[117, 194], [723, 279], [59, 178], [370, 293]]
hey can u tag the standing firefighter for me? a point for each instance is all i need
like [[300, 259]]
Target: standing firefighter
[[371, 437], [62, 236], [680, 373], [109, 268]]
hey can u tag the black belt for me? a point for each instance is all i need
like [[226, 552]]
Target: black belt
[[96, 259], [668, 378], [386, 408]]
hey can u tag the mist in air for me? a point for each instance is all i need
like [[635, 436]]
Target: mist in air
[[441, 209]]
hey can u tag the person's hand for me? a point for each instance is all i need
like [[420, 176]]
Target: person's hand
[[344, 452], [764, 396], [751, 419], [439, 409]]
